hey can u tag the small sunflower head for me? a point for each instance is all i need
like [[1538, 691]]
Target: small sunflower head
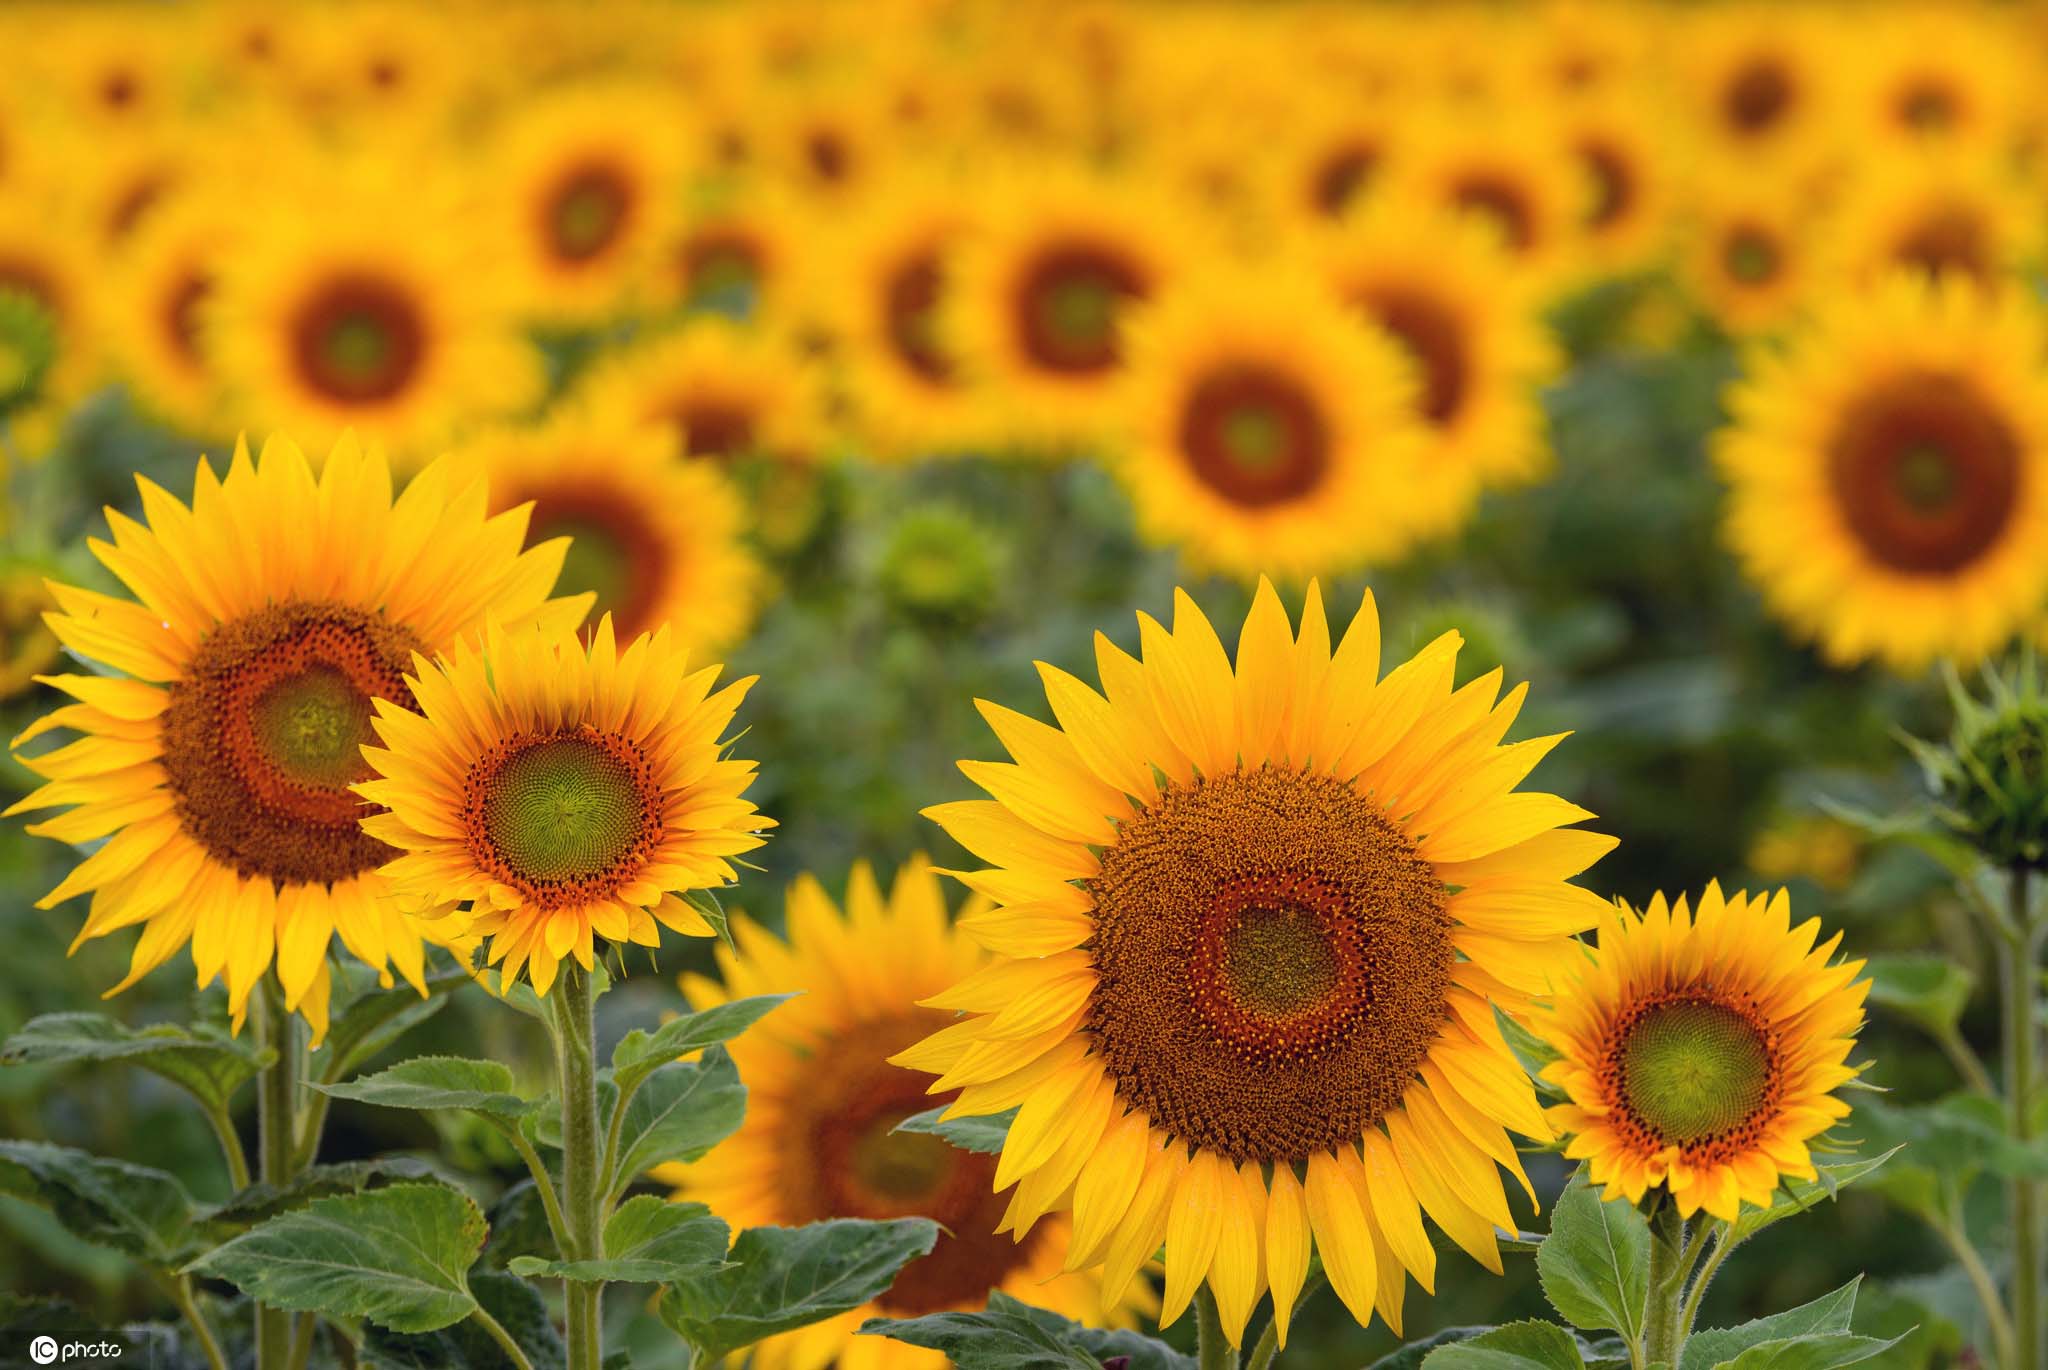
[[28, 347], [1991, 777], [941, 564]]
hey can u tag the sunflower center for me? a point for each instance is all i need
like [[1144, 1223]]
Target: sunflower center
[[264, 734], [1272, 958], [714, 428], [564, 817], [1750, 255], [1501, 203], [1926, 473], [1340, 176], [1760, 95], [718, 264], [181, 312], [1693, 1070], [910, 306], [1613, 181], [1254, 435], [359, 339], [1949, 239], [615, 551], [1927, 107], [588, 211], [1068, 303], [1435, 338]]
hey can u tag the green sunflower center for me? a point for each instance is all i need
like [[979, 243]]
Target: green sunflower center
[[1279, 961], [1069, 300], [1693, 1070], [1751, 257], [901, 1166], [312, 727], [588, 212], [563, 811]]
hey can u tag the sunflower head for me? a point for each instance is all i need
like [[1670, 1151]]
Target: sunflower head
[[941, 565], [1991, 777], [1700, 1050]]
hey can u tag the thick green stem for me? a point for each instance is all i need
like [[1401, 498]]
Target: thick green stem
[[582, 1143], [1213, 1350], [2019, 955], [181, 1294], [277, 1100], [1670, 1262]]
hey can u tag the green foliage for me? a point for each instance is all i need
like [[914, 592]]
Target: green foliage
[[682, 1110], [203, 1060], [1517, 1346], [1411, 1356], [376, 1018], [1796, 1196], [260, 1201], [1928, 990], [464, 1345], [1595, 1264], [647, 1241], [1012, 1335], [1990, 779], [429, 1082], [781, 1278], [1826, 1316], [141, 1212], [984, 1134], [640, 1053]]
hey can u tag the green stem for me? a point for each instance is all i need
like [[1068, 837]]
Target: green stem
[[582, 1185], [542, 1181], [277, 1092], [2017, 957], [1213, 1350], [1966, 1062], [302, 1340], [503, 1338], [1724, 1242], [1268, 1344], [1670, 1262], [230, 1148], [181, 1294], [1981, 1280]]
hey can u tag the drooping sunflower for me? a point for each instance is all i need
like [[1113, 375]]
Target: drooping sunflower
[[1938, 214], [823, 1100], [657, 539], [381, 312], [725, 391], [1701, 1049], [1888, 472], [1271, 429], [561, 789], [267, 615], [1445, 290], [155, 319], [1253, 926]]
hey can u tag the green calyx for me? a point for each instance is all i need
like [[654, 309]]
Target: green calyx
[[1990, 779], [940, 563]]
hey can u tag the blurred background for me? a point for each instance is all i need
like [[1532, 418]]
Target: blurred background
[[861, 342]]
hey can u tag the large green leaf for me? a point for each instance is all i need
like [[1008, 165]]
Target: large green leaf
[[640, 1053], [1828, 1313], [682, 1110], [787, 1277], [984, 1134], [143, 1212], [1411, 1356], [375, 1018], [430, 1082], [260, 1201], [465, 1345], [1817, 1351], [1796, 1196], [1516, 1346], [209, 1063], [1595, 1264], [647, 1241], [1012, 1335], [1931, 991], [396, 1257]]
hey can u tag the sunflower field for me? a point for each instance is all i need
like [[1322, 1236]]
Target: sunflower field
[[1036, 684]]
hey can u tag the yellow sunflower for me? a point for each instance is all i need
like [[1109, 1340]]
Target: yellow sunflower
[[1624, 156], [822, 1101], [1517, 176], [1758, 80], [1271, 429], [1701, 1050], [745, 251], [1888, 472], [1253, 924], [154, 317], [1341, 150], [657, 539], [217, 765], [1941, 77], [1445, 290], [380, 312], [45, 257], [559, 789], [1748, 253], [1941, 213], [725, 391]]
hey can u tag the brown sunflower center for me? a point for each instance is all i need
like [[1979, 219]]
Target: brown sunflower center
[[1758, 96], [1067, 304], [615, 551], [263, 736], [910, 307], [1273, 957], [1434, 337], [1613, 179], [1927, 106], [1948, 238], [1341, 175], [1693, 1070], [1254, 434], [587, 211], [182, 304], [843, 1160], [1501, 202], [1926, 472], [359, 338], [713, 426], [564, 817], [719, 261], [1750, 254]]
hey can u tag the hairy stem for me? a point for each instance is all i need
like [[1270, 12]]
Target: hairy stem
[[582, 1196], [181, 1294], [1213, 1350], [503, 1338], [2018, 956], [277, 1102], [1724, 1242], [230, 1148], [542, 1181], [1670, 1262]]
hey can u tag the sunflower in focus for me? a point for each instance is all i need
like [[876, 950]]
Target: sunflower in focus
[[655, 538], [1270, 428], [1888, 473], [267, 615], [1749, 253], [1444, 289], [822, 1102], [1940, 215], [562, 790], [380, 312], [156, 317], [1253, 923], [726, 392], [1702, 1048], [1520, 179]]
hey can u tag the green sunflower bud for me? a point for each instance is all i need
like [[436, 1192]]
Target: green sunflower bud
[[1991, 777], [941, 564]]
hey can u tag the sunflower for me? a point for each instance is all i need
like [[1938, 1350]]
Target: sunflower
[[655, 538], [1520, 178], [1748, 252], [1253, 924], [561, 788], [1938, 78], [1623, 155], [380, 312], [725, 391], [217, 765], [587, 184], [743, 253], [1701, 1050], [1341, 151], [111, 70], [822, 1103], [1939, 214], [155, 316], [1270, 429], [45, 259], [1758, 80], [1888, 473], [1444, 288]]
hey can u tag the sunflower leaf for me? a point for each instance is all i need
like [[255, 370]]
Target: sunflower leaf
[[397, 1257], [1797, 1196], [261, 1201], [465, 1345], [683, 1109], [1828, 1313], [1595, 1264], [209, 1064], [1927, 990], [1411, 1356], [141, 1212], [648, 1241], [783, 1278], [430, 1082], [640, 1053], [985, 1135], [1012, 1335], [1816, 1351], [1515, 1346]]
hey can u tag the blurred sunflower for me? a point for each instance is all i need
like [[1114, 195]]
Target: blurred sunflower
[[1749, 253], [743, 253], [1443, 287], [267, 615], [46, 260], [1519, 178], [1339, 152], [725, 391], [1254, 925], [823, 1102], [1941, 78], [655, 538], [1625, 160], [1271, 429], [27, 646], [1937, 214], [379, 312], [1888, 472], [1760, 81], [561, 789], [125, 183], [110, 70], [1701, 1050], [155, 316], [371, 67]]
